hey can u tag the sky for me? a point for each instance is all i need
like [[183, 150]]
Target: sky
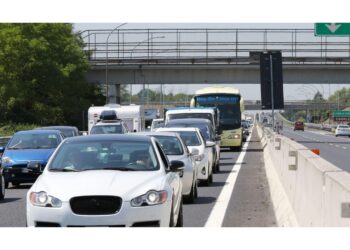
[[249, 91]]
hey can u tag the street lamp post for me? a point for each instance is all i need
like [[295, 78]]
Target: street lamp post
[[106, 77]]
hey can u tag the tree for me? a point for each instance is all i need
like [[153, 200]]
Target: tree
[[341, 96], [42, 74]]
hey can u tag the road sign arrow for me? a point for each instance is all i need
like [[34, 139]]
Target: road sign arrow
[[333, 27]]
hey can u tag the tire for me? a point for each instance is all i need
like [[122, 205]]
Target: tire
[[2, 188], [210, 178], [217, 168], [15, 184], [6, 184], [180, 218], [196, 190], [336, 135], [192, 196]]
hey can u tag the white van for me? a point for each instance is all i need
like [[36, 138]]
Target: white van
[[132, 115]]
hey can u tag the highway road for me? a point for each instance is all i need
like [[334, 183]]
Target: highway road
[[238, 197], [336, 150]]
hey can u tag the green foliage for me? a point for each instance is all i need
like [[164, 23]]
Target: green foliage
[[11, 128], [342, 95], [42, 74]]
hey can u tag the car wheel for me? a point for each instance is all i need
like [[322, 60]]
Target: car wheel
[[2, 188], [196, 190], [217, 167], [191, 197], [336, 135], [6, 184], [210, 178], [180, 217], [15, 184]]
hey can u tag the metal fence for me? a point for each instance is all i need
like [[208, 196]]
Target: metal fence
[[212, 46]]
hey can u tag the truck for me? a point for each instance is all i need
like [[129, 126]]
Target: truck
[[132, 115]]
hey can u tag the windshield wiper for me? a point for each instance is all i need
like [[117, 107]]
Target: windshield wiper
[[64, 170], [112, 168]]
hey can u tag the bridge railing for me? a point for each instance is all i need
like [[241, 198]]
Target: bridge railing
[[210, 46]]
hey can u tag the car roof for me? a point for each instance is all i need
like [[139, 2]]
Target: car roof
[[170, 134], [189, 129], [38, 131], [110, 137], [101, 123], [189, 120]]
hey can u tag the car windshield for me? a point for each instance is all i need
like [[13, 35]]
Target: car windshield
[[190, 138], [34, 141], [158, 124], [170, 144], [67, 132], [107, 129], [343, 126], [105, 155], [207, 116]]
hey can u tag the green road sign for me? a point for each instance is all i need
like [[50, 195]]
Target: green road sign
[[332, 29], [341, 113]]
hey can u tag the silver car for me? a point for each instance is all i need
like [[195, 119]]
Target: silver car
[[175, 149]]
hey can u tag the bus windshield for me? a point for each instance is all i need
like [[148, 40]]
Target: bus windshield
[[229, 107]]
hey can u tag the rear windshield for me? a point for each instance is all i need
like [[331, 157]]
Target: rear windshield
[[343, 126], [107, 129]]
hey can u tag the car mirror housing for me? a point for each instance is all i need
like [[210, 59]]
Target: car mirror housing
[[176, 166], [209, 144], [2, 149], [194, 151]]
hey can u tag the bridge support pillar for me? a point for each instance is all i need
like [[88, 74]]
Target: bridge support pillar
[[114, 93]]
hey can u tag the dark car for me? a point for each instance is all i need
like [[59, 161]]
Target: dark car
[[67, 131], [30, 146], [2, 184], [207, 131], [299, 126], [245, 129]]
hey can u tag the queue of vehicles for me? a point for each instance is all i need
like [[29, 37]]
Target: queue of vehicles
[[105, 179]]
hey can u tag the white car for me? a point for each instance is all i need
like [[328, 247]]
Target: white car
[[342, 130], [107, 180], [157, 123], [194, 140], [175, 149]]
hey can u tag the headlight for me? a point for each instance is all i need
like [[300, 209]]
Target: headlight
[[234, 136], [6, 160], [41, 199], [152, 197]]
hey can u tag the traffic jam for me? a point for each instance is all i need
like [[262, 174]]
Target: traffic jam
[[120, 173]]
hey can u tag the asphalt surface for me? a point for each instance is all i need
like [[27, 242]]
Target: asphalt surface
[[336, 150], [249, 204]]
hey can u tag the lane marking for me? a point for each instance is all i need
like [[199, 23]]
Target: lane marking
[[337, 146], [218, 212], [331, 144], [345, 148]]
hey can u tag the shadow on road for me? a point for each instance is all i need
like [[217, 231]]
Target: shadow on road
[[253, 150], [7, 200], [27, 186], [226, 171], [203, 200]]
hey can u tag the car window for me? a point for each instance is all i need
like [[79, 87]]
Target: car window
[[97, 155], [171, 145], [190, 138], [34, 141], [162, 155], [107, 129]]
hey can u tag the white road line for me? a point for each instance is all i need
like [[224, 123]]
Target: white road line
[[218, 212], [337, 146], [331, 144], [345, 148]]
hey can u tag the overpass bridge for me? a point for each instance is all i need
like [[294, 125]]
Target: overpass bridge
[[197, 56]]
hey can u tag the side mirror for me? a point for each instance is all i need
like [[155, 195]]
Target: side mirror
[[209, 144], [176, 166], [194, 151], [2, 149], [218, 137], [34, 166]]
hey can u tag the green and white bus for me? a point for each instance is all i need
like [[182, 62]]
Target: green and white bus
[[231, 106]]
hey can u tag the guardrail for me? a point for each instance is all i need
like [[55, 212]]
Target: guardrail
[[317, 192]]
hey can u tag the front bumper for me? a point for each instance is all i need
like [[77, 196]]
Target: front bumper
[[20, 175], [126, 217]]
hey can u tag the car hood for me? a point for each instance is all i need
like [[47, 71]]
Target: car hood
[[41, 155], [128, 185]]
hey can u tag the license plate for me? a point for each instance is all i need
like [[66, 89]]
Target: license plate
[[25, 170]]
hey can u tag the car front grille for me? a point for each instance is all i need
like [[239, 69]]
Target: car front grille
[[95, 205]]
